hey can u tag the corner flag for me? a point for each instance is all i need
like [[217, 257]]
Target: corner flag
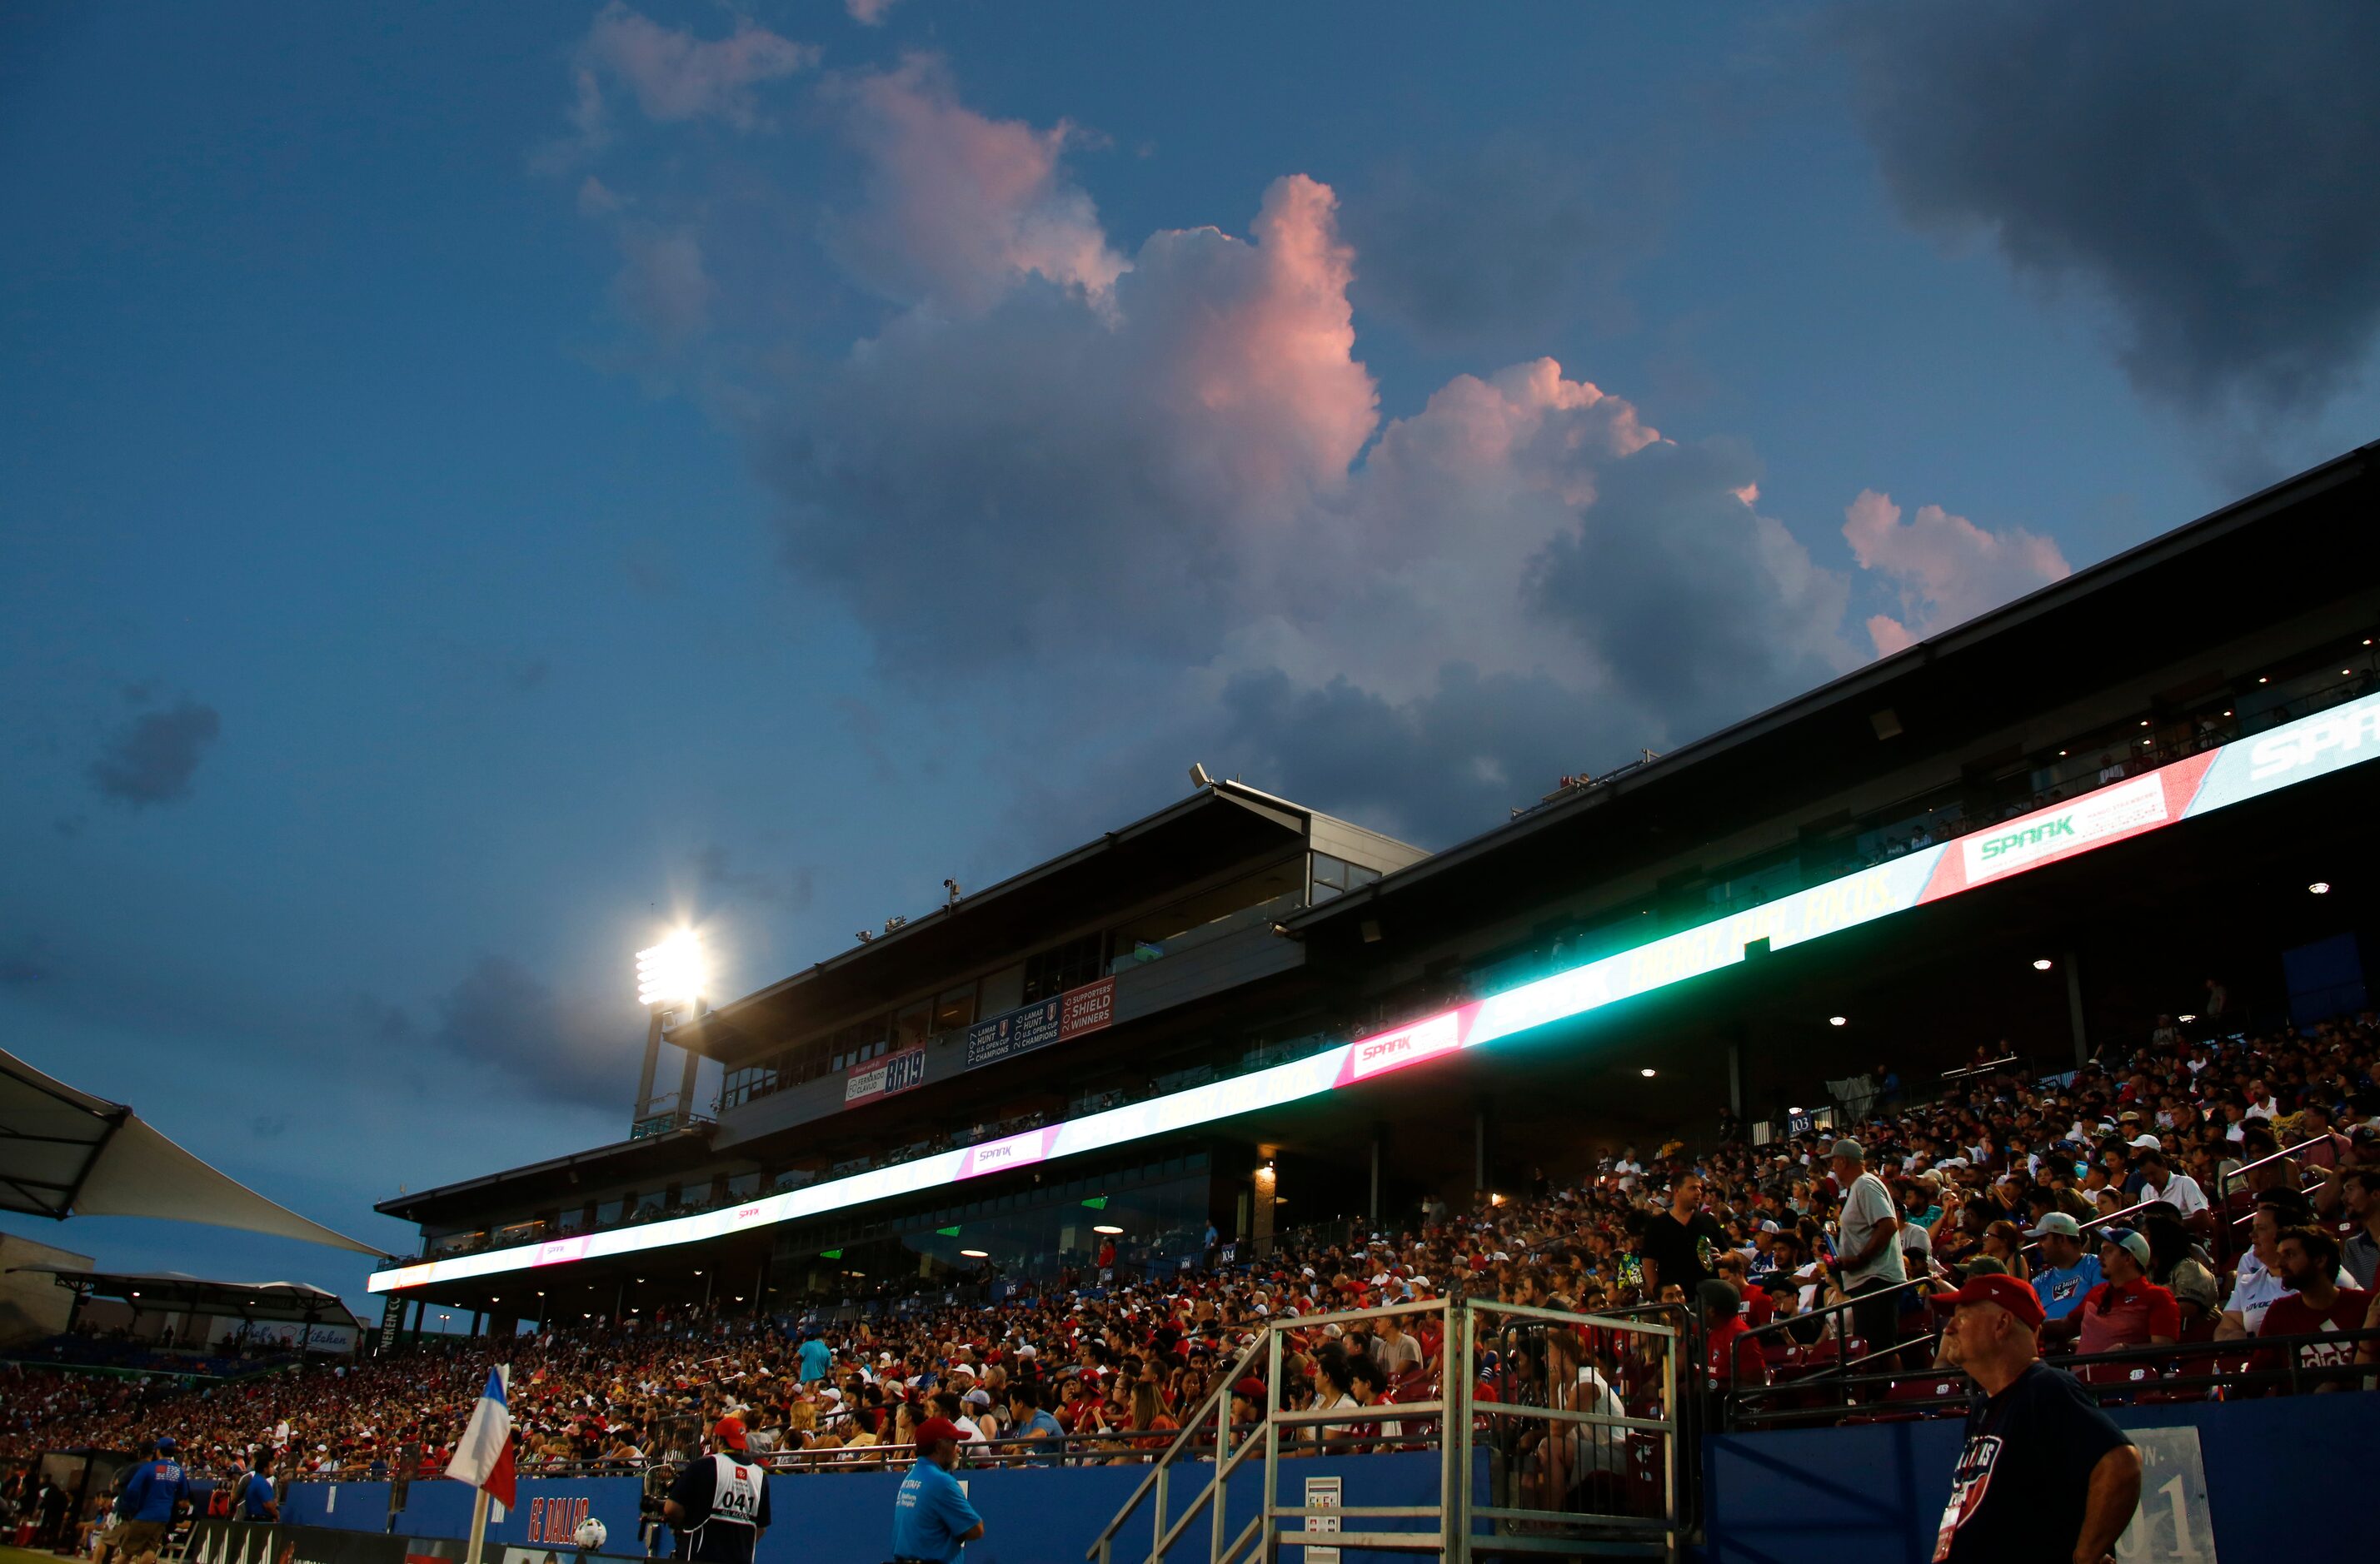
[[483, 1457]]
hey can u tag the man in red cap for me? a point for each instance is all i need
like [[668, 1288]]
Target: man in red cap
[[932, 1521], [2045, 1476], [719, 1505]]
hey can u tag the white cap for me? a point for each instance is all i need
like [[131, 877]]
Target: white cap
[[1028, 1351], [2147, 1140]]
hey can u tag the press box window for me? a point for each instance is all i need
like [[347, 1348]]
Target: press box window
[[1336, 876]]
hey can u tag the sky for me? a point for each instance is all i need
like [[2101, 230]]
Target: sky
[[482, 485]]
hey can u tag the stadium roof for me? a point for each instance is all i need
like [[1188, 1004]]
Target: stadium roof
[[64, 1152], [2124, 617], [175, 1290], [681, 1150], [1220, 824]]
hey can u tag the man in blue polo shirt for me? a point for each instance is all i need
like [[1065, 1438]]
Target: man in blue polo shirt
[[2066, 1272], [932, 1521]]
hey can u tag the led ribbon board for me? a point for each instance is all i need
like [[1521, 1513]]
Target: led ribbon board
[[2295, 752]]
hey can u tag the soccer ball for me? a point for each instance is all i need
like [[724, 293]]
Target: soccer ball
[[590, 1534]]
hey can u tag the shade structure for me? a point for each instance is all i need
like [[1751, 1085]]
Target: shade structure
[[64, 1152], [261, 1301]]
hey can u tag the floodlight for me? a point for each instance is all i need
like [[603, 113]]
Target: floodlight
[[2041, 963], [672, 971], [975, 1255], [1107, 1228]]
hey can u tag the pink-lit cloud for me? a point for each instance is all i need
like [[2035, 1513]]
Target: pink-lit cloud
[[959, 205], [1945, 568], [869, 13], [675, 76], [1158, 482]]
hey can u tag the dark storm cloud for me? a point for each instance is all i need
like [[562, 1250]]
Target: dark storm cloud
[[717, 871], [1703, 610], [151, 758], [505, 1017], [2208, 165], [1494, 248]]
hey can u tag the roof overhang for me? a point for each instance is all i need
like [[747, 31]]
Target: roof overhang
[[64, 1152]]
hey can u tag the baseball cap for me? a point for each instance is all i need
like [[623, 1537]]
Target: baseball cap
[[934, 1430], [2145, 1139], [2131, 1243], [165, 1445], [1250, 1386], [1846, 1146], [979, 1397], [2007, 1292], [729, 1431], [2057, 1222]]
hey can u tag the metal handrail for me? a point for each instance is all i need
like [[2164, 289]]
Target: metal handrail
[[1221, 1389]]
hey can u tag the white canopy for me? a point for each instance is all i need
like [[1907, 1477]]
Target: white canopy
[[65, 1152]]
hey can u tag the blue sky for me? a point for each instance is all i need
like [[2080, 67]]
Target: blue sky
[[477, 483]]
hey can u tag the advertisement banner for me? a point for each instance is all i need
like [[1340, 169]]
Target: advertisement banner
[[1071, 1015], [894, 1073]]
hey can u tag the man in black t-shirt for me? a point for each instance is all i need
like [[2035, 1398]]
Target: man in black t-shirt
[[1683, 1240], [2046, 1478]]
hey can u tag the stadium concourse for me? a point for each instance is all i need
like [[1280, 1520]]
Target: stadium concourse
[[2162, 1155]]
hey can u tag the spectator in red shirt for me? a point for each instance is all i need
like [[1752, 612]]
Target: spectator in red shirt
[[1735, 1357], [2310, 1263], [2126, 1310]]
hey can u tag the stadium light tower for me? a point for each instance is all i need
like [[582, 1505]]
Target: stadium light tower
[[671, 977]]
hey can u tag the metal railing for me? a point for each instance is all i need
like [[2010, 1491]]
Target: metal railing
[[1542, 1496]]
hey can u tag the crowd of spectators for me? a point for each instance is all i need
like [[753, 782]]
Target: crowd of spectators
[[2140, 1196]]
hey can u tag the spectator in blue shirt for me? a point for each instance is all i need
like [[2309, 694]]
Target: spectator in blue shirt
[[932, 1521], [2067, 1271], [815, 1355], [1030, 1420], [256, 1501]]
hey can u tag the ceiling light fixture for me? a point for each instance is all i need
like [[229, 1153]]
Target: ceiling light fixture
[[1107, 1228], [2041, 963], [2320, 888], [1646, 1072], [1838, 1021], [975, 1255]]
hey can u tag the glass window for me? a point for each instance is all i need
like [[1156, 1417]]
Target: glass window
[[742, 1186], [607, 1212], [954, 1009], [911, 1025]]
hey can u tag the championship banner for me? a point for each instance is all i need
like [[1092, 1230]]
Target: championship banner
[[891, 1075], [2295, 752], [1071, 1015]]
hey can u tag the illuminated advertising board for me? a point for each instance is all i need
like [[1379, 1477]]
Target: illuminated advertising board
[[2293, 753]]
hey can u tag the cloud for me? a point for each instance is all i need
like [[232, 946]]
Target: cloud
[[1158, 488], [2197, 164], [869, 13], [661, 284], [151, 758], [1495, 246], [716, 871], [1946, 569], [958, 206], [676, 77], [1085, 477], [503, 1015]]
